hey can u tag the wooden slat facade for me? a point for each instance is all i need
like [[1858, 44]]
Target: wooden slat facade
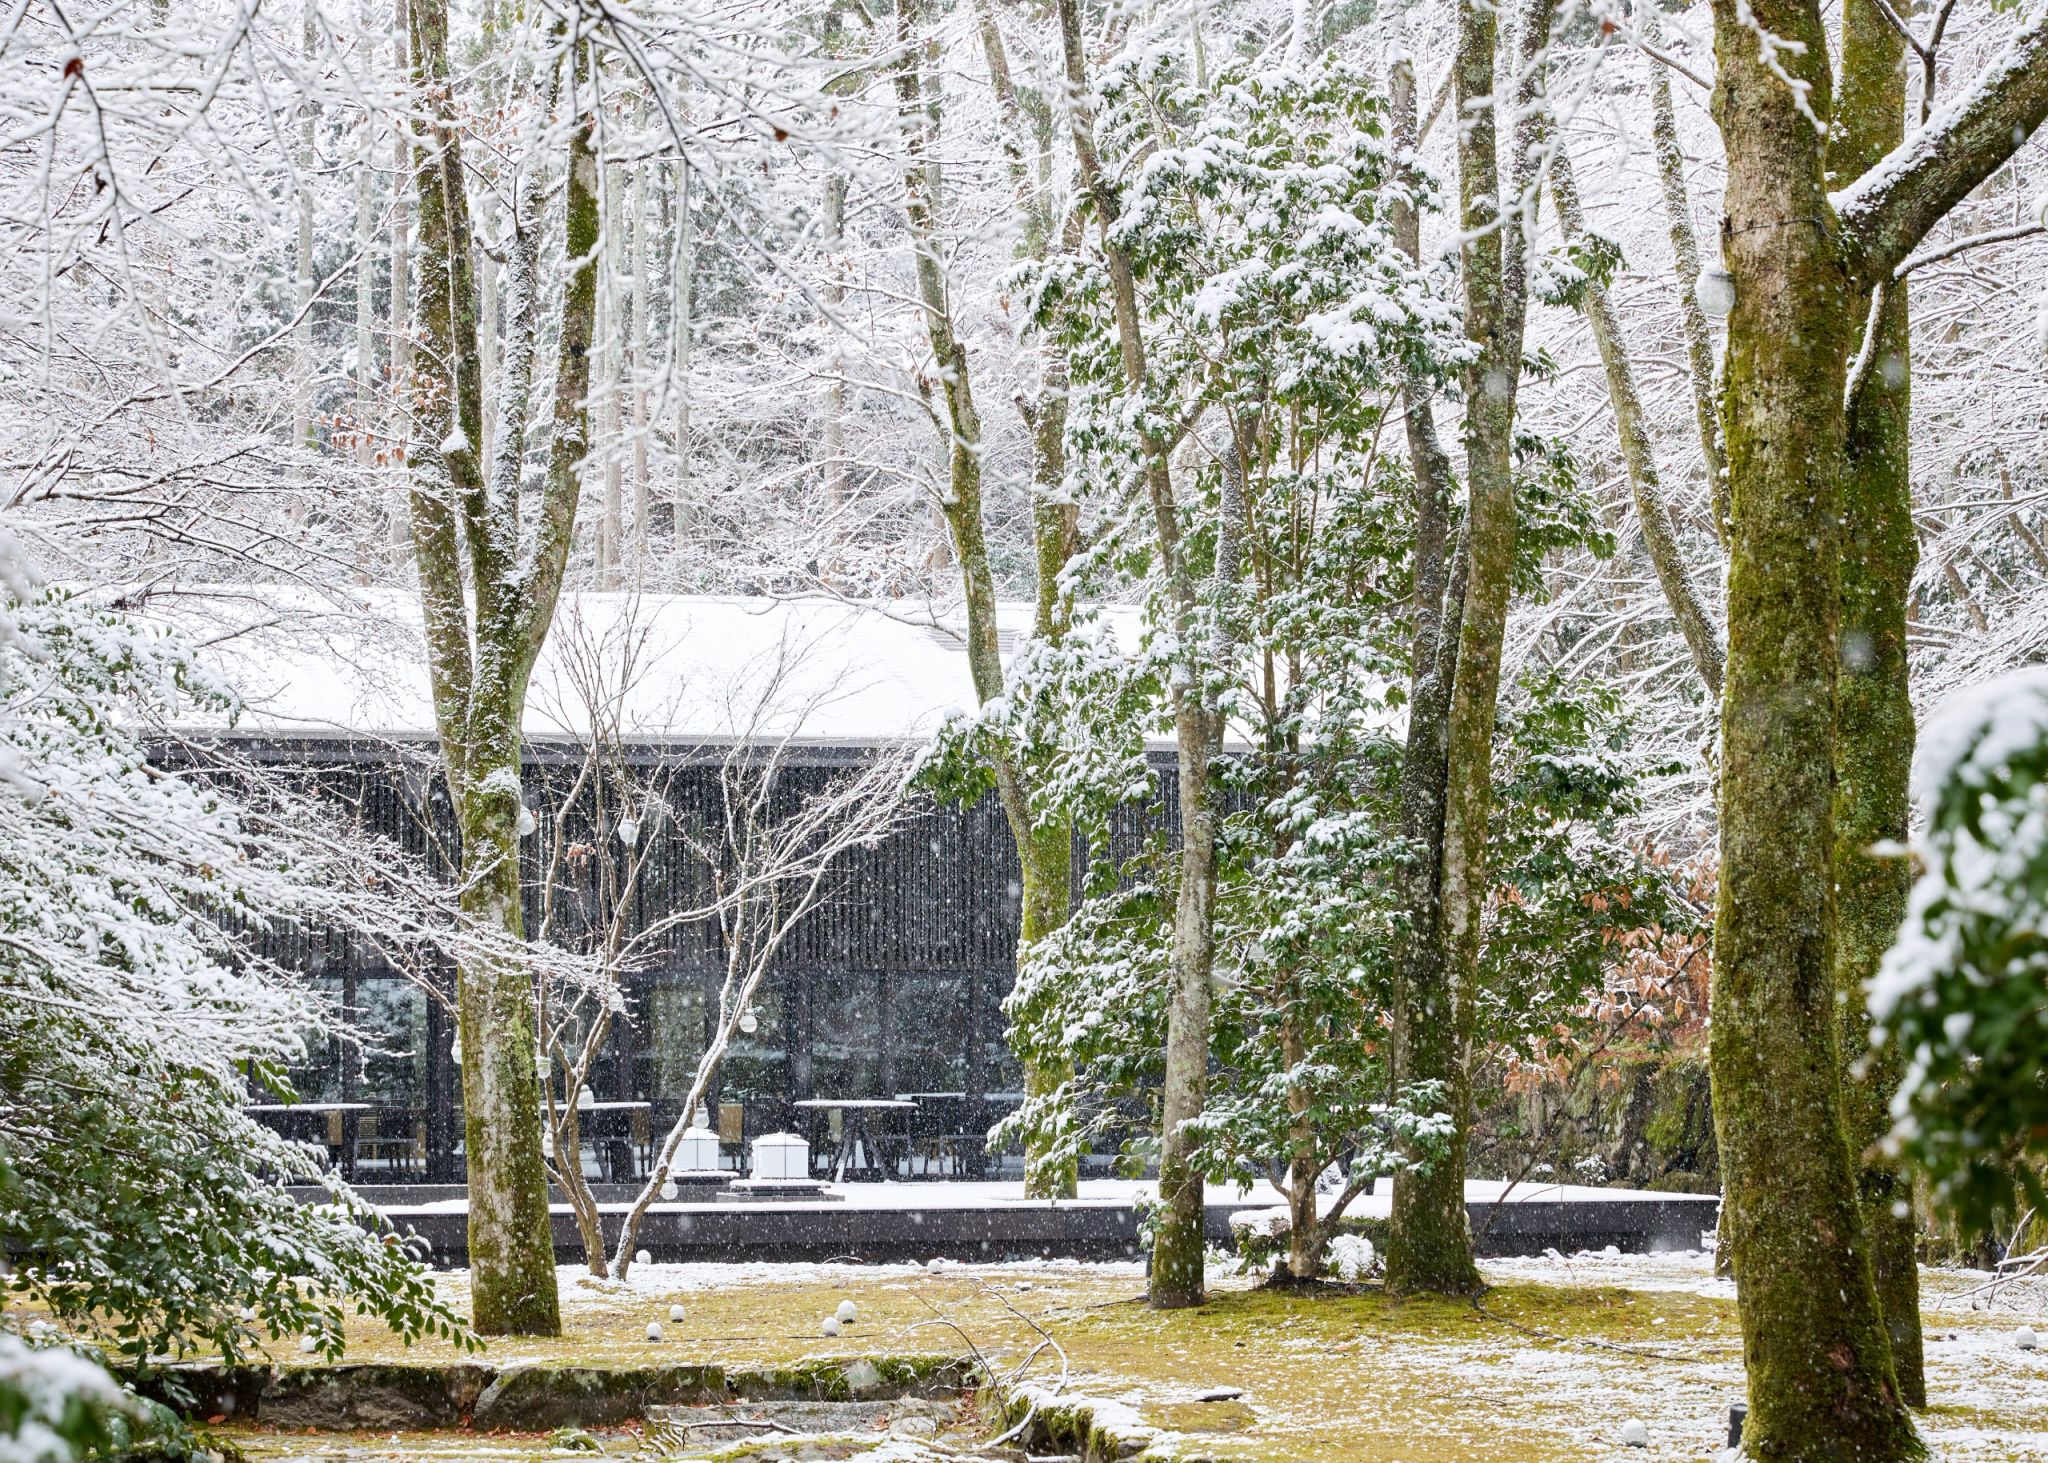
[[894, 984]]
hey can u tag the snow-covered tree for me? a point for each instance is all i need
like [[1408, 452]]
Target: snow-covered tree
[[140, 1206]]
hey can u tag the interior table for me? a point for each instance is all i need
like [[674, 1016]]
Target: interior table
[[863, 1136], [619, 1156], [343, 1154]]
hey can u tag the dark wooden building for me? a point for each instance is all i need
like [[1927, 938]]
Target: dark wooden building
[[893, 985]]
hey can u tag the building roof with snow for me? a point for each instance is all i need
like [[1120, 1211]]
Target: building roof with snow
[[699, 669]]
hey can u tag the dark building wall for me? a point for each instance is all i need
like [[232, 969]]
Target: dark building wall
[[893, 984]]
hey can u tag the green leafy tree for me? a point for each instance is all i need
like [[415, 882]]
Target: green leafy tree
[[141, 1209]]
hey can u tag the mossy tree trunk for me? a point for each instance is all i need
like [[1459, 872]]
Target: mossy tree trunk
[[486, 612], [1044, 848], [1437, 589], [1429, 1246], [1874, 708], [1821, 1377], [1820, 1373]]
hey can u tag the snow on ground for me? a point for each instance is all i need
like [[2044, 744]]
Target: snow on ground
[[1548, 1367], [579, 1288]]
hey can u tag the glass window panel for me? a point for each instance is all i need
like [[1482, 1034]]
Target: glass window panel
[[674, 1016], [846, 1034], [930, 1033]]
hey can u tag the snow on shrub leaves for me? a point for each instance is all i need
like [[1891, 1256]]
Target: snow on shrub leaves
[[141, 1208], [1964, 992]]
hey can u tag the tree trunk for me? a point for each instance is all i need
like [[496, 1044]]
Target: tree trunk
[[1045, 852], [302, 329], [511, 1241], [832, 441], [1436, 589], [681, 323], [467, 542], [611, 530], [1177, 1248], [637, 369], [399, 418], [1637, 451], [1304, 1228], [366, 263], [1438, 592], [1819, 1359], [1429, 1246], [1874, 705]]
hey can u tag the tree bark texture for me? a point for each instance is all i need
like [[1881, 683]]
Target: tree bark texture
[[1045, 850], [1438, 581], [1177, 1249], [1429, 1247], [1821, 1374], [1874, 727], [476, 592], [1685, 255], [1819, 1359]]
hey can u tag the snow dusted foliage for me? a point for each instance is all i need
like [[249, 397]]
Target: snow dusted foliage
[[150, 203], [56, 1406], [1964, 993], [1280, 322], [139, 1205]]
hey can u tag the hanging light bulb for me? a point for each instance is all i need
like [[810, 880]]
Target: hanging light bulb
[[1715, 290]]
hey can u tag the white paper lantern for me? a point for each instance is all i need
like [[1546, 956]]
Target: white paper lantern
[[585, 1099], [696, 1152], [829, 1326], [641, 1257], [1634, 1434], [675, 1313], [668, 1189], [848, 1312], [309, 1343], [654, 1330], [749, 1022], [781, 1156], [2025, 1339], [1715, 290]]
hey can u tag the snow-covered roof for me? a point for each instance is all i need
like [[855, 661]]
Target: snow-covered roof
[[703, 668]]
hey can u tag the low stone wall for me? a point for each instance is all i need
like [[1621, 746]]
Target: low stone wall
[[406, 1396], [981, 1234]]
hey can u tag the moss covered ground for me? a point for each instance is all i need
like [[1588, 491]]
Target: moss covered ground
[[1550, 1365]]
